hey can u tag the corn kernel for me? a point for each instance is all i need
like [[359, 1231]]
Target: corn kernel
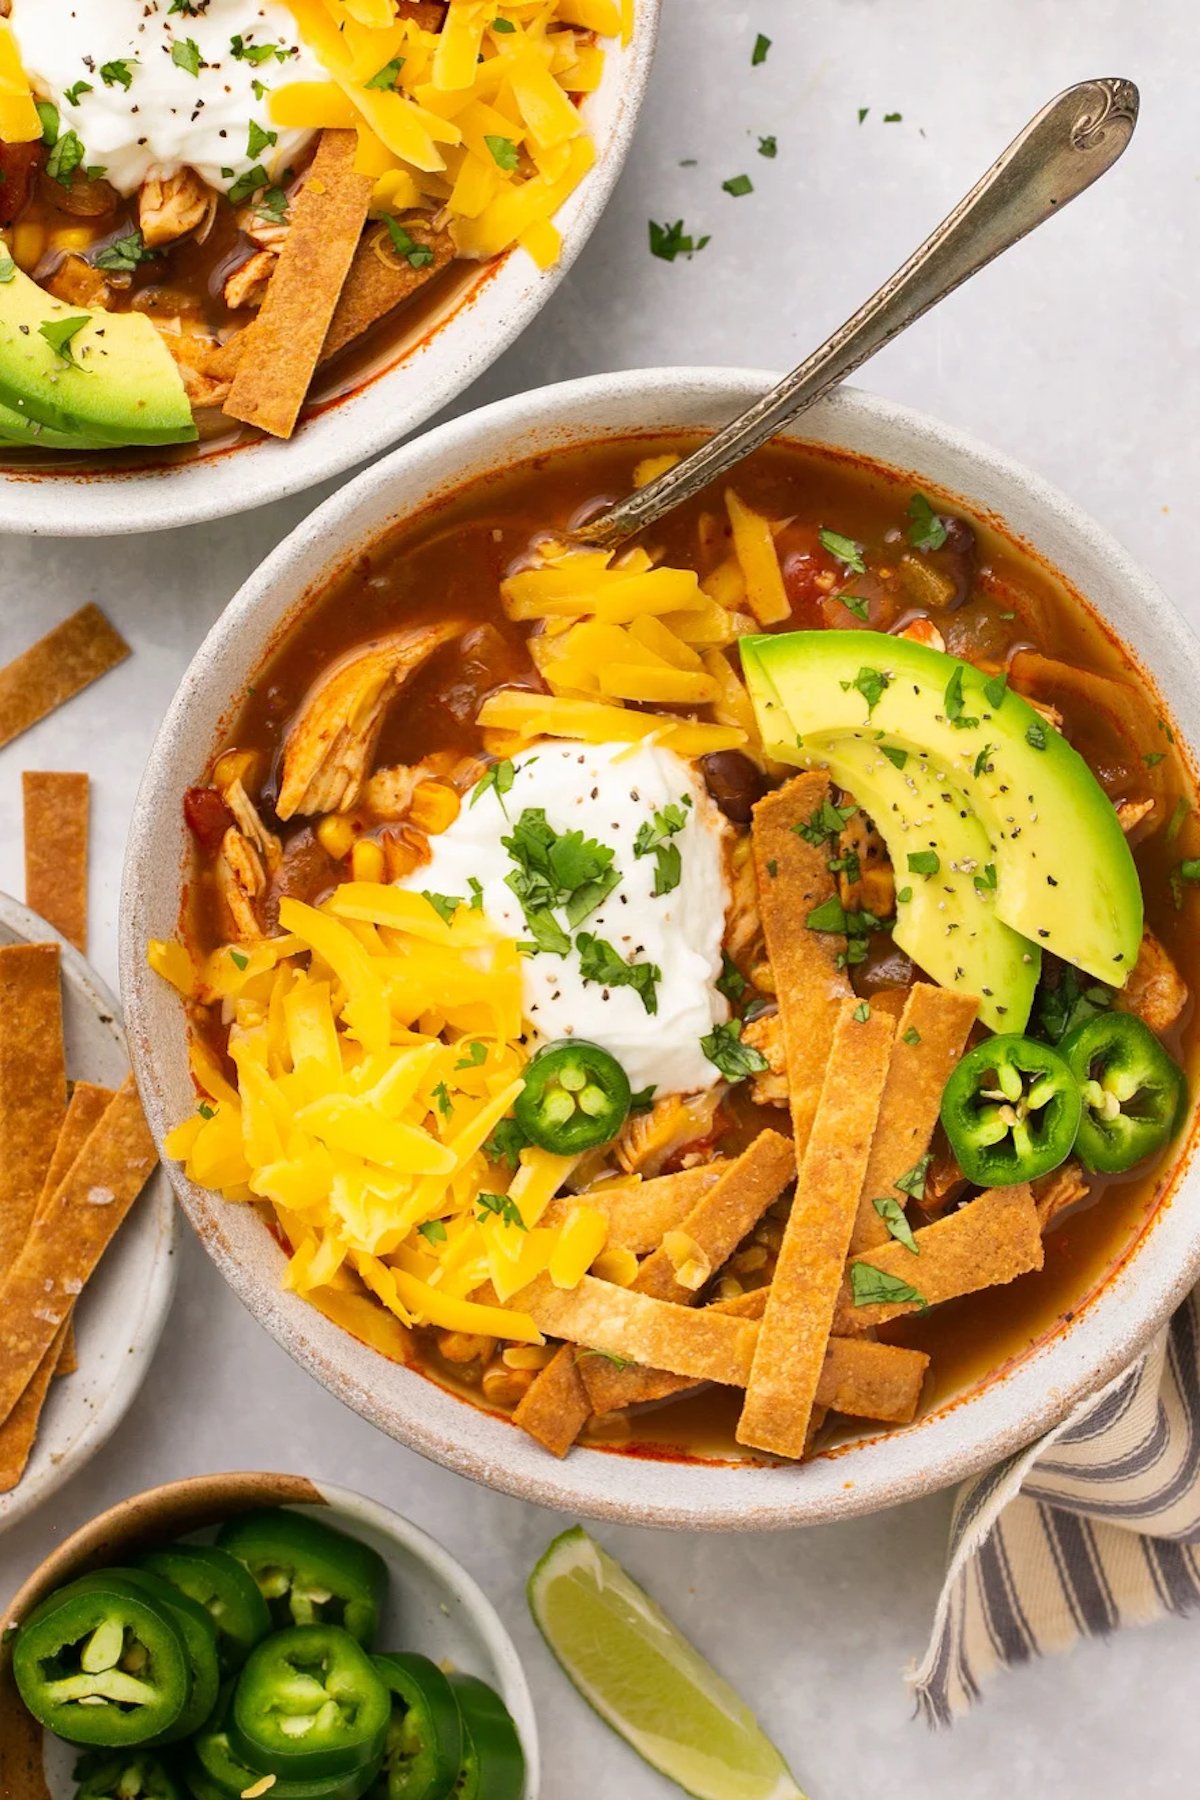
[[71, 237], [28, 245], [527, 1356], [435, 806], [746, 1261], [729, 1288], [618, 1265], [367, 861], [506, 1387], [336, 835], [464, 1346], [234, 765]]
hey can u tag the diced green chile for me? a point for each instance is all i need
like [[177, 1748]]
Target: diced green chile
[[309, 1705], [129, 1775], [576, 1097], [225, 1589], [1011, 1110], [199, 1636], [493, 1761], [100, 1664], [214, 1771], [308, 1573], [1134, 1093], [424, 1749]]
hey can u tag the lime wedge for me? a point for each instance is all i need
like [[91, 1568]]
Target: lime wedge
[[645, 1680]]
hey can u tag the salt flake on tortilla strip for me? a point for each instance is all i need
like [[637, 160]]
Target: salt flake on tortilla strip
[[70, 657], [33, 1086], [797, 1323], [555, 1407], [634, 1326], [56, 851], [808, 982], [283, 346], [70, 1236], [930, 1037], [984, 1244]]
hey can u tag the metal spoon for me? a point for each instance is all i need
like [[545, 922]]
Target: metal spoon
[[1070, 143]]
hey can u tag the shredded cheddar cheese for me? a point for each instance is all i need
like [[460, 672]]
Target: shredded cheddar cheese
[[19, 120], [377, 1045]]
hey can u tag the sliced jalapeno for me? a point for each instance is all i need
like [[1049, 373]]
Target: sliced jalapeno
[[199, 1636], [309, 1705], [1134, 1094], [130, 1775], [493, 1761], [214, 1771], [101, 1663], [576, 1096], [308, 1573], [424, 1750], [225, 1589], [1011, 1111]]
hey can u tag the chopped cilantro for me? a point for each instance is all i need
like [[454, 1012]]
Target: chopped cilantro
[[768, 146], [862, 113], [892, 118], [762, 45], [912, 1182], [476, 887], [498, 780], [737, 185], [554, 869], [725, 1050], [8, 268], [731, 982], [1175, 822], [1036, 735], [250, 182], [982, 764], [875, 1287], [862, 1012], [239, 958], [47, 112], [501, 1207], [255, 54], [871, 684], [73, 95], [118, 73], [1070, 1001], [643, 1100], [598, 961], [653, 839], [65, 158], [417, 256], [433, 1231], [925, 529], [849, 553], [923, 862], [444, 905], [187, 56], [59, 334], [995, 689], [259, 140], [986, 882], [825, 823], [829, 916], [954, 702], [503, 25], [476, 1056], [892, 1214], [671, 241], [856, 604], [911, 1037], [206, 1111], [894, 754], [904, 896], [388, 78], [506, 1143], [1153, 758], [445, 1104], [124, 254], [504, 152]]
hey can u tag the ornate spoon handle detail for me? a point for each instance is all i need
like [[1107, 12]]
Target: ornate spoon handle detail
[[1069, 144]]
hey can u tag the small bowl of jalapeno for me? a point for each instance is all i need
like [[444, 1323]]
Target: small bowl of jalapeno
[[242, 1635]]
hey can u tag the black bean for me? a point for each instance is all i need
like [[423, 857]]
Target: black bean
[[734, 782]]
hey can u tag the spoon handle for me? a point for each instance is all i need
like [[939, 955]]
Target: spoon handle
[[1069, 144]]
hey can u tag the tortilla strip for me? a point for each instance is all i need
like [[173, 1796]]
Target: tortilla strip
[[33, 1086], [56, 851], [640, 1213], [381, 279], [908, 1112], [84, 1112], [56, 668], [807, 981], [555, 1407], [984, 1244], [283, 346], [716, 1225], [19, 1431], [605, 1317], [70, 1236], [798, 1321]]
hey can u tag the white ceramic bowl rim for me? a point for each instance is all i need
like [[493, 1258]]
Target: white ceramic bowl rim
[[453, 351], [965, 1435]]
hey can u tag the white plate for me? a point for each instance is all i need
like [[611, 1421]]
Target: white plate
[[122, 1310]]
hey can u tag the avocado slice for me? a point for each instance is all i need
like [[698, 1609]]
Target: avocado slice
[[1065, 879], [946, 917], [24, 434], [114, 383]]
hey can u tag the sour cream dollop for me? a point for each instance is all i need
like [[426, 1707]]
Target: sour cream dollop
[[190, 99], [609, 793]]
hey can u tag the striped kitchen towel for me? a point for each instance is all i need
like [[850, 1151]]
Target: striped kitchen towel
[[1095, 1526]]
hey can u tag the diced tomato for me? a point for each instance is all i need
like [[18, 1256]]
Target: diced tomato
[[19, 164], [207, 817], [809, 572]]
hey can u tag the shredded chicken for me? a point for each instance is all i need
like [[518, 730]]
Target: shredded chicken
[[250, 824], [263, 229], [79, 283], [923, 631], [241, 881], [1053, 1193], [650, 1140], [765, 1034], [743, 925], [1132, 813], [246, 288], [1155, 991], [171, 208], [868, 884], [389, 792], [1050, 713], [328, 749]]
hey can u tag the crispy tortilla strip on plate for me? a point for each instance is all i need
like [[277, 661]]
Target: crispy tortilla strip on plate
[[56, 668], [56, 851], [797, 1323], [555, 1408], [640, 1213], [19, 1431], [720, 1220], [283, 346], [84, 1111], [940, 1022], [984, 1244], [70, 1236], [33, 1086], [610, 1387], [635, 1327], [808, 982], [381, 278]]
